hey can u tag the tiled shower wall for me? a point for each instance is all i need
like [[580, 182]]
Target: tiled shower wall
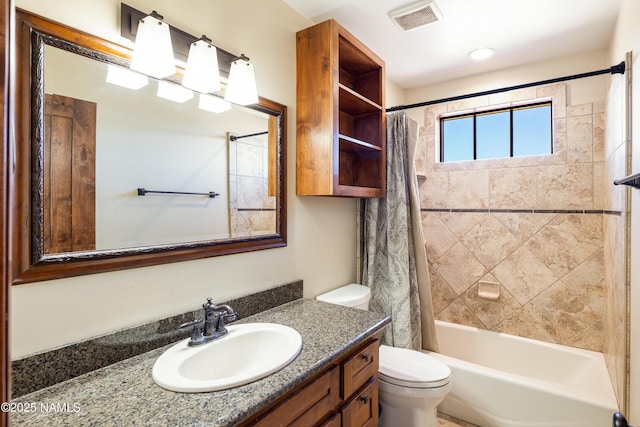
[[251, 209], [615, 226], [532, 224]]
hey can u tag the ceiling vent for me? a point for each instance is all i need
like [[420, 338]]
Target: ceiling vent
[[416, 15]]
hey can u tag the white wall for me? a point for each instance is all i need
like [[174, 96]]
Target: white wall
[[321, 231], [627, 38]]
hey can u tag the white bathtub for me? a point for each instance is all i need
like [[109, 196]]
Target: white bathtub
[[501, 380]]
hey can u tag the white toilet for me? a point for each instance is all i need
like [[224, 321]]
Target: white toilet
[[411, 384]]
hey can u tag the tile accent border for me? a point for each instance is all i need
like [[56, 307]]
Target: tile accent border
[[45, 369], [545, 211]]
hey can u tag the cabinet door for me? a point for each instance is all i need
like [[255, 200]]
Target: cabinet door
[[334, 421], [310, 404], [362, 410]]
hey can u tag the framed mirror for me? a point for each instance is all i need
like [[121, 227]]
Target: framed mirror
[[111, 175]]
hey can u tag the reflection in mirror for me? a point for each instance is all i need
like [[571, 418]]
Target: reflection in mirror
[[117, 175], [134, 138]]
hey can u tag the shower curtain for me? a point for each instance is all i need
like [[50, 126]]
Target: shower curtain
[[394, 255]]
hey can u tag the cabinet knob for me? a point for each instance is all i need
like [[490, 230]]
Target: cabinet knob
[[367, 357], [365, 399]]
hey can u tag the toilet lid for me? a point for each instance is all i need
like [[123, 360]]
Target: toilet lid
[[410, 368], [350, 295]]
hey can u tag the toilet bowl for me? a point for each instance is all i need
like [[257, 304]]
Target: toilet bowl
[[411, 384]]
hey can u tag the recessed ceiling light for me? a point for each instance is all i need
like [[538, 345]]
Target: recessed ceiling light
[[482, 53]]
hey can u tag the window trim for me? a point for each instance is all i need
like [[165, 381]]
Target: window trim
[[479, 112]]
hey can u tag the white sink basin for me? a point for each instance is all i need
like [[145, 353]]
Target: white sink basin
[[247, 353]]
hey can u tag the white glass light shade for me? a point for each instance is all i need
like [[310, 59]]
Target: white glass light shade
[[202, 73], [241, 88], [173, 92], [126, 78], [153, 52], [213, 104]]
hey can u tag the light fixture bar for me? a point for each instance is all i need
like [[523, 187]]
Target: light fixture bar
[[180, 40]]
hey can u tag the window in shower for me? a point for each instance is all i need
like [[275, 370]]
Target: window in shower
[[523, 130]]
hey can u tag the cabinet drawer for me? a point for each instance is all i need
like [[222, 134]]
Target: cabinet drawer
[[309, 405], [362, 410], [358, 369]]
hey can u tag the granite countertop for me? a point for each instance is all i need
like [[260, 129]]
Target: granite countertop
[[124, 393]]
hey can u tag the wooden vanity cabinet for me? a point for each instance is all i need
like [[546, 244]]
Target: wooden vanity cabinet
[[340, 133], [346, 394]]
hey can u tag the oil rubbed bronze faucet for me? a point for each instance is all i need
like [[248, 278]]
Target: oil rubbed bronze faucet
[[214, 318]]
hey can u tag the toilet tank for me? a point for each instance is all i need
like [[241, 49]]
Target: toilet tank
[[353, 295]]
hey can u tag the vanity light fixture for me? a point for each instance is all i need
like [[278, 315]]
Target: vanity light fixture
[[153, 51], [482, 53], [213, 103], [202, 73], [241, 88], [153, 55], [173, 92], [126, 78]]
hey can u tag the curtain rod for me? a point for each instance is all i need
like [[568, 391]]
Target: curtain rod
[[234, 137], [616, 69]]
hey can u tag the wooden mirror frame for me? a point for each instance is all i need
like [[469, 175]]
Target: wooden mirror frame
[[29, 262]]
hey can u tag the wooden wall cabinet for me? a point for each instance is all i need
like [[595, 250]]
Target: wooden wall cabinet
[[344, 395], [341, 132]]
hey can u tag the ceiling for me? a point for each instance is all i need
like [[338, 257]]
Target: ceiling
[[520, 31]]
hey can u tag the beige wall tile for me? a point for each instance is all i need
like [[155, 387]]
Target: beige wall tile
[[599, 186], [590, 338], [458, 312], [580, 139], [565, 187], [558, 94], [438, 238], [441, 292], [469, 189], [459, 268], [566, 241], [580, 110], [513, 188], [490, 242], [420, 159], [523, 225], [563, 314], [434, 190], [461, 222], [598, 137], [525, 323], [524, 275]]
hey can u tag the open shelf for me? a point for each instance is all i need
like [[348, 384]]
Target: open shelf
[[341, 142]]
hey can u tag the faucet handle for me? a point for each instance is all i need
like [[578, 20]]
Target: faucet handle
[[227, 314], [209, 304], [196, 333]]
